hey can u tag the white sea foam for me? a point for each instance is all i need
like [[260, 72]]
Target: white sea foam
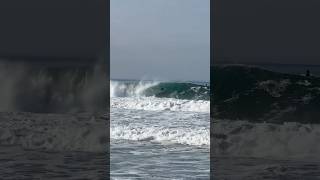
[[136, 117], [289, 140], [274, 88], [160, 104], [130, 96], [120, 89], [188, 136]]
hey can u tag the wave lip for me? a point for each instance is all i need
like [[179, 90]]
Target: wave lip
[[125, 89]]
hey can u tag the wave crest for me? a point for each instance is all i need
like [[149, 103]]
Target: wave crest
[[177, 90], [125, 89]]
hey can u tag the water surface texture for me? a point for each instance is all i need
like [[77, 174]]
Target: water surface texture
[[53, 146], [159, 130], [265, 124]]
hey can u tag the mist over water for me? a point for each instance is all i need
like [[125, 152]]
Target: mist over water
[[160, 89], [127, 89], [31, 88], [53, 121]]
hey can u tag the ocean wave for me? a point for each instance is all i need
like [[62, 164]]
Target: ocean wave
[[160, 104], [177, 90], [259, 95], [245, 139], [166, 135], [54, 132], [31, 88]]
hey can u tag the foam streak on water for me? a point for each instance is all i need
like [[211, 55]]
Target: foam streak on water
[[170, 128]]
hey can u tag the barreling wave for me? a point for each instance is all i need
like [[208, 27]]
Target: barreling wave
[[177, 90], [246, 139], [258, 95]]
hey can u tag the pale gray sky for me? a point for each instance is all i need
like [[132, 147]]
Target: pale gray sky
[[160, 39]]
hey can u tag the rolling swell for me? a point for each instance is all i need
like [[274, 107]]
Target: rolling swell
[[258, 95], [177, 90]]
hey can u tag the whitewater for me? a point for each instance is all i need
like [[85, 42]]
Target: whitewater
[[158, 127]]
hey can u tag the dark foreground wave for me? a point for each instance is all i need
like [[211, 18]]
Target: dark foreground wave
[[254, 94], [177, 90]]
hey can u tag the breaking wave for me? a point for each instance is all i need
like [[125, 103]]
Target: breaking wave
[[45, 89], [259, 95], [177, 90], [159, 96]]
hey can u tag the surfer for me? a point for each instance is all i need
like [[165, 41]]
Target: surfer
[[307, 73]]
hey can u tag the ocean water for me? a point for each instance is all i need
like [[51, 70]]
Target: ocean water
[[250, 150], [59, 142], [265, 124], [252, 168], [53, 146], [159, 130]]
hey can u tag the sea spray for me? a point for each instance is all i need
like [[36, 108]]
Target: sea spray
[[177, 90], [126, 89]]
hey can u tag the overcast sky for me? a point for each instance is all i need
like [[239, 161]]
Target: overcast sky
[[160, 39], [52, 28], [267, 31]]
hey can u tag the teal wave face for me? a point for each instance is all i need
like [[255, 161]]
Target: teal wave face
[[254, 94], [179, 91]]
